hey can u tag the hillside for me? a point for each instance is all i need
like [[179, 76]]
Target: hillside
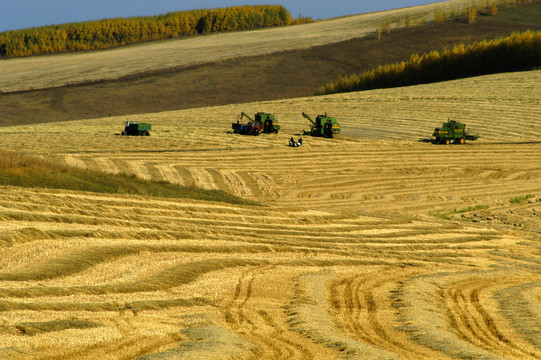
[[380, 245], [27, 171], [403, 114], [282, 75], [49, 71], [377, 244]]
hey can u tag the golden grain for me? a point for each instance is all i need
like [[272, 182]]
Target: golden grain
[[375, 243]]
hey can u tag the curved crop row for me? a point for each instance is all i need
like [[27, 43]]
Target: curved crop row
[[26, 171]]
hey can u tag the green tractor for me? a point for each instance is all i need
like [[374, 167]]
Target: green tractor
[[133, 128], [324, 126], [453, 132], [268, 122]]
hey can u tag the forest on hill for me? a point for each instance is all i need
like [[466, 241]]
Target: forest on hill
[[108, 33], [520, 51]]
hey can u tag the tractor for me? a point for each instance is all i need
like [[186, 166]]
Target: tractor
[[324, 126], [453, 132], [133, 128], [262, 122]]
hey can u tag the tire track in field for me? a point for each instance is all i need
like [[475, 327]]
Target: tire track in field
[[308, 316], [237, 317], [269, 340], [452, 313], [470, 317], [358, 303], [296, 349], [427, 323]]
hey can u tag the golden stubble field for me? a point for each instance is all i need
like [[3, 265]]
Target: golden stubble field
[[376, 245], [51, 71]]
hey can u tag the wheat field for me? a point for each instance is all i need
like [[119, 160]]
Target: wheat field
[[375, 245], [58, 70]]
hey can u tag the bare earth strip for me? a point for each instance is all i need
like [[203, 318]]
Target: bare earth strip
[[51, 71], [378, 244]]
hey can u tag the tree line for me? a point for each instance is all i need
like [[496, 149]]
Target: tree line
[[519, 51], [468, 13], [108, 33]]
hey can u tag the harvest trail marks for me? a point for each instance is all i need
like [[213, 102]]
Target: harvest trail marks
[[146, 261], [347, 174], [378, 246]]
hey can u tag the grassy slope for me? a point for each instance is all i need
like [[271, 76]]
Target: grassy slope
[[522, 15], [25, 171]]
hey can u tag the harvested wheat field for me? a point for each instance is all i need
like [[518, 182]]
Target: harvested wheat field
[[375, 245]]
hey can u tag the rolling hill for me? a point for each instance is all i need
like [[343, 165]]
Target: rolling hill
[[377, 244], [251, 77]]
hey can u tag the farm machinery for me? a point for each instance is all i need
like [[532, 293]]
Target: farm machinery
[[324, 126], [133, 128], [453, 132], [262, 122]]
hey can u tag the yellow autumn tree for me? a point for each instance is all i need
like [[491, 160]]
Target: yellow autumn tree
[[109, 33]]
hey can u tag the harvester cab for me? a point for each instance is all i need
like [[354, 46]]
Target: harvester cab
[[324, 126], [453, 132], [268, 121], [132, 128]]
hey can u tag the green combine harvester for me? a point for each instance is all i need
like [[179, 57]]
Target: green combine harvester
[[132, 128], [453, 132], [269, 124], [324, 126]]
